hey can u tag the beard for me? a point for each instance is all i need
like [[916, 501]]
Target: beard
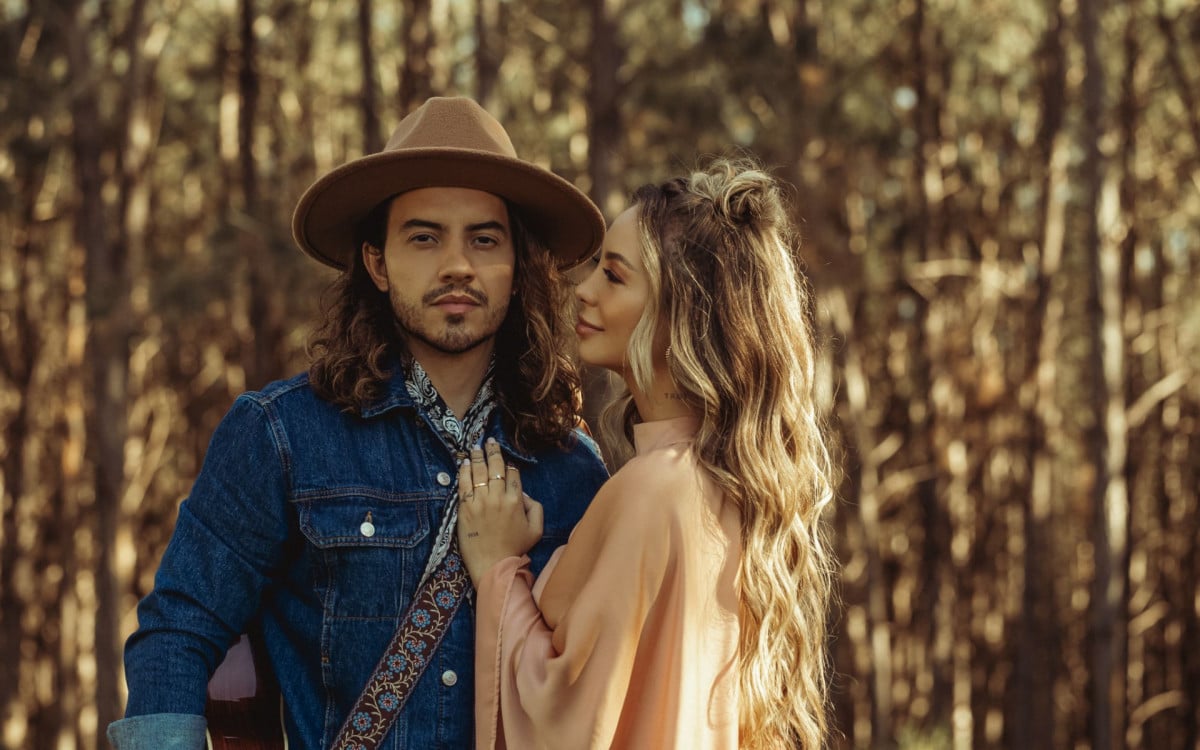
[[452, 334]]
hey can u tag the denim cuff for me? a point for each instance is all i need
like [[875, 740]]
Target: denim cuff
[[159, 732]]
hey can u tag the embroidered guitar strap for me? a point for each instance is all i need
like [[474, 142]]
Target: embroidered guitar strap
[[408, 654], [443, 585]]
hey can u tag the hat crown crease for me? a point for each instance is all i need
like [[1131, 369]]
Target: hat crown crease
[[451, 123]]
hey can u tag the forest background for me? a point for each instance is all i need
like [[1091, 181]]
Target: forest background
[[1001, 209]]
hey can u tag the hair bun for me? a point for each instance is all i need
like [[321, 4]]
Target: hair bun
[[742, 193], [742, 203]]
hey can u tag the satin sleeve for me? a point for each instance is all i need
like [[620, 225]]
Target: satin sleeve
[[560, 679]]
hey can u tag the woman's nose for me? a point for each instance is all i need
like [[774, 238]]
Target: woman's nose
[[583, 290]]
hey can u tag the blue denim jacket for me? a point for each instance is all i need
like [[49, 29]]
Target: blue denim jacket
[[270, 538]]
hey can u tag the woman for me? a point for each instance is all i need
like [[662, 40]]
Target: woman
[[688, 608]]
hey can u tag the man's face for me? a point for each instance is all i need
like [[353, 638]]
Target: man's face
[[447, 266]]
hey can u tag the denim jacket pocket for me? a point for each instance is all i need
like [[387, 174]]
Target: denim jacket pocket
[[366, 554]]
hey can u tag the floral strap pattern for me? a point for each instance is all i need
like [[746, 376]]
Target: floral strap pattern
[[408, 654]]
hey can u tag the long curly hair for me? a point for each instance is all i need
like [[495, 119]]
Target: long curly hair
[[537, 380], [722, 257]]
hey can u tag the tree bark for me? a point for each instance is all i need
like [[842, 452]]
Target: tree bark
[[488, 53], [939, 610], [872, 452], [368, 101], [1106, 435], [416, 73], [262, 356], [604, 123], [107, 283], [17, 361], [1036, 668]]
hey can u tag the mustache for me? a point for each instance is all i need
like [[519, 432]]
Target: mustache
[[432, 296]]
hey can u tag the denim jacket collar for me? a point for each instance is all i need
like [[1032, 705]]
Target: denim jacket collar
[[396, 397]]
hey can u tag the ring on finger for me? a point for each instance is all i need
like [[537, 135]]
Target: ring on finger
[[476, 486]]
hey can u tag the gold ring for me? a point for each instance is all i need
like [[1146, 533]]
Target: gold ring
[[484, 484]]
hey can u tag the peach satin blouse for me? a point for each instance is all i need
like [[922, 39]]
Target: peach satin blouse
[[628, 639]]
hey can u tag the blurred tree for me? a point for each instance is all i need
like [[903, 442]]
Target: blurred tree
[[489, 27], [113, 240], [1106, 430], [1019, 512], [417, 41], [372, 140], [1036, 645]]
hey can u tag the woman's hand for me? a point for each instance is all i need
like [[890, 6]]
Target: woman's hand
[[495, 519]]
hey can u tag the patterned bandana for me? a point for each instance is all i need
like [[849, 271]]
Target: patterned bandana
[[459, 437]]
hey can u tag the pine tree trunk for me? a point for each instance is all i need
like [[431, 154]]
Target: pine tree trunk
[[368, 105], [108, 351], [1106, 435]]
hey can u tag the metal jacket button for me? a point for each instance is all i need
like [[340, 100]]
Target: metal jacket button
[[443, 479], [367, 528], [449, 678]]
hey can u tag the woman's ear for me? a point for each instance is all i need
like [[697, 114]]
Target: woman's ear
[[376, 267]]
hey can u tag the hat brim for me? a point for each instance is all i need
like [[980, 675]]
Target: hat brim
[[561, 216]]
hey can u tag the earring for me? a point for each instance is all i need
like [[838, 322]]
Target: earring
[[668, 353]]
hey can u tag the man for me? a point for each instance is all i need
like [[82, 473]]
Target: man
[[325, 501]]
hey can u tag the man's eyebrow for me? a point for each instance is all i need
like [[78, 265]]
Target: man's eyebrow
[[479, 227], [483, 225], [421, 223]]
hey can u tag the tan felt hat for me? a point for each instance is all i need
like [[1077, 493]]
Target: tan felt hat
[[446, 142]]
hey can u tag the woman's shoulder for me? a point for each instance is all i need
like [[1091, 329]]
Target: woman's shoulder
[[652, 485]]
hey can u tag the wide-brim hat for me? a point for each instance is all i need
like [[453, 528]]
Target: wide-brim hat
[[446, 142]]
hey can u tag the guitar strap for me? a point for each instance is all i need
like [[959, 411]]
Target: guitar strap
[[409, 653], [443, 586]]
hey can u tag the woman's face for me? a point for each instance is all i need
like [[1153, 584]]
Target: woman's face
[[613, 295]]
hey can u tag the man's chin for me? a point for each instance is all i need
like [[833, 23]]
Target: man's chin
[[460, 349], [455, 344]]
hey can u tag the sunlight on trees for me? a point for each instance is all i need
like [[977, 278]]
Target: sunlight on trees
[[1001, 212]]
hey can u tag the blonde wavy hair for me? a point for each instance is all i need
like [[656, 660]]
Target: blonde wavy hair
[[721, 255]]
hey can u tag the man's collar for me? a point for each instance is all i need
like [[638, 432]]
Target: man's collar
[[397, 397]]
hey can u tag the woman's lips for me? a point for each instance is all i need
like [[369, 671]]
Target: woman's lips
[[584, 328]]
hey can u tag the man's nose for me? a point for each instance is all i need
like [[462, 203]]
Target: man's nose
[[455, 262]]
